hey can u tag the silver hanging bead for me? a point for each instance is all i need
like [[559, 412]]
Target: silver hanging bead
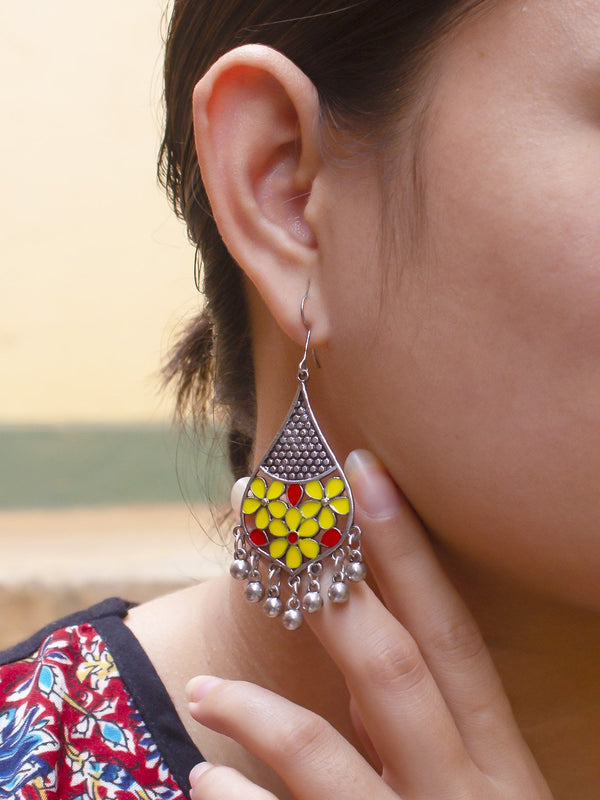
[[292, 619], [239, 569], [338, 592], [273, 606], [255, 592], [356, 571], [312, 602]]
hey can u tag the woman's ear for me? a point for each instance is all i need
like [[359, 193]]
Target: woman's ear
[[257, 140]]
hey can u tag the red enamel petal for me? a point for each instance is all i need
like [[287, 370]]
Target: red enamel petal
[[294, 493], [331, 537], [258, 538]]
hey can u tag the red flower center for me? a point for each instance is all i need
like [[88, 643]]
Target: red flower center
[[292, 537]]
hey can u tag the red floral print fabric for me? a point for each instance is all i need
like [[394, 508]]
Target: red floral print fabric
[[69, 729]]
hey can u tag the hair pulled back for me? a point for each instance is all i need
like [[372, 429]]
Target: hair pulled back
[[366, 60]]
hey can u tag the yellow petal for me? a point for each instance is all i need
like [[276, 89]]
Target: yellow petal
[[262, 518], [277, 508], [258, 488], [293, 557], [341, 505], [293, 518], [278, 548], [326, 519], [278, 528], [250, 505], [314, 490], [310, 509], [334, 487], [275, 490], [308, 528], [309, 548]]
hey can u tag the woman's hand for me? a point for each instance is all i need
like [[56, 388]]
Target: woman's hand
[[429, 703]]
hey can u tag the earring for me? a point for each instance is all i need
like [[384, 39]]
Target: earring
[[297, 511]]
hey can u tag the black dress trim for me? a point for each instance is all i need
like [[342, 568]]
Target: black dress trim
[[137, 672], [151, 699], [113, 607]]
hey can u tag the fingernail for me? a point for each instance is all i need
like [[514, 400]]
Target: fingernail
[[199, 769], [374, 490], [199, 686]]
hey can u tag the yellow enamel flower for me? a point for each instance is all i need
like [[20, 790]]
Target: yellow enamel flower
[[263, 501], [325, 501], [294, 534]]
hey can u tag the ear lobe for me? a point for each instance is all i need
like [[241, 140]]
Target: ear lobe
[[255, 120]]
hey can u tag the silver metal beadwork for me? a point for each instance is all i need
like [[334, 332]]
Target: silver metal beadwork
[[356, 571], [239, 569], [312, 602], [338, 592], [255, 592], [273, 606], [292, 619]]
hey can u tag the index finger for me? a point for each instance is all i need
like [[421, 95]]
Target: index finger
[[307, 753], [417, 591], [400, 704]]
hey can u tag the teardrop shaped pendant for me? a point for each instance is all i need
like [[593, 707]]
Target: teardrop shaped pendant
[[297, 511]]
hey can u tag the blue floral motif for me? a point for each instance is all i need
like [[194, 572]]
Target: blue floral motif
[[153, 757], [115, 778], [46, 680], [24, 737], [113, 734], [70, 690], [47, 676]]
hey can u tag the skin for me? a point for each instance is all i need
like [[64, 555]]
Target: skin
[[467, 362]]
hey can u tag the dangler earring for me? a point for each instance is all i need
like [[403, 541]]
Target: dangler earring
[[296, 511]]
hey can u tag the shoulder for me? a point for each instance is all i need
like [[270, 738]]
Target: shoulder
[[67, 718]]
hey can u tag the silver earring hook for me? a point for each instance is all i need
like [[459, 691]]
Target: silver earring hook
[[302, 304], [303, 373]]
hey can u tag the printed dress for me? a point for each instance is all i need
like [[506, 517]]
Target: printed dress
[[84, 716]]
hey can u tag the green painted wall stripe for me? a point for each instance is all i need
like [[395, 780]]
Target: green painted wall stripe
[[77, 465]]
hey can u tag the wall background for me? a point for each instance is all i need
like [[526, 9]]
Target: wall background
[[96, 272], [96, 275]]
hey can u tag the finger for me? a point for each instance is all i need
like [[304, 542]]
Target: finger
[[364, 737], [210, 782], [418, 592], [308, 754], [399, 702]]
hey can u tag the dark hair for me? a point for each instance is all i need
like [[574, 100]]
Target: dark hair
[[366, 60]]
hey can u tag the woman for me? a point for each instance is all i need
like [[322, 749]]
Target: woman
[[414, 182]]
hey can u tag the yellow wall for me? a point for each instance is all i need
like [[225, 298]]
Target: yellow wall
[[95, 272]]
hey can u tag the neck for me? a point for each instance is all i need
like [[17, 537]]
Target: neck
[[258, 649], [293, 664], [546, 651], [548, 655]]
